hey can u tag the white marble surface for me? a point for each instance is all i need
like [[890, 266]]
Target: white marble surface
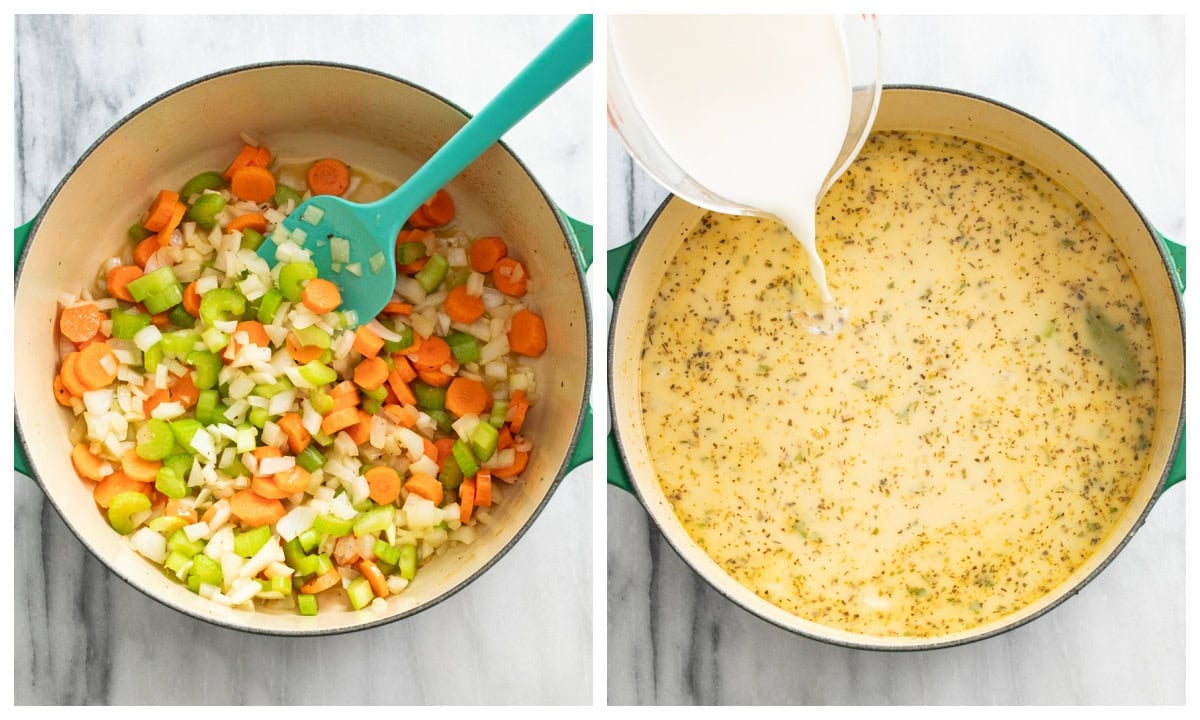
[[84, 637], [1116, 86]]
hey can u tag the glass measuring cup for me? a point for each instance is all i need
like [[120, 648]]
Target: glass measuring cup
[[861, 42]]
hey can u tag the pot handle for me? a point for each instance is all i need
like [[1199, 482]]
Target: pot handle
[[20, 461], [618, 261], [1176, 254]]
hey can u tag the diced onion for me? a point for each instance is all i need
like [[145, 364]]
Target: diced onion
[[150, 544]]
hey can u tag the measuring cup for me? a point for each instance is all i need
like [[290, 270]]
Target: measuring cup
[[861, 42]]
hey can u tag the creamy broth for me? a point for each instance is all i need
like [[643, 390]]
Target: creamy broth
[[959, 449]]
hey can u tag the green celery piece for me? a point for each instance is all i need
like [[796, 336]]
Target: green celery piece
[[405, 341], [281, 584], [166, 524], [371, 406], [464, 347], [221, 305], [293, 552], [175, 562], [179, 343], [259, 417], [153, 283], [465, 459], [155, 440], [178, 542], [210, 180], [127, 323], [499, 411], [214, 339], [451, 475], [204, 210], [269, 306], [429, 397], [124, 505], [309, 540], [307, 604], [333, 525], [249, 542], [208, 368], [206, 404], [270, 391], [484, 439], [184, 430], [322, 439], [313, 335], [374, 520], [318, 373], [430, 276], [206, 570], [181, 463], [390, 554], [170, 483], [409, 252], [310, 459], [292, 278], [251, 239], [408, 561], [359, 592], [283, 193], [152, 357], [1112, 347], [181, 318], [456, 277], [321, 401], [444, 420], [137, 233]]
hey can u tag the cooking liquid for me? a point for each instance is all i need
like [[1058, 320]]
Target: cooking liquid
[[754, 108]]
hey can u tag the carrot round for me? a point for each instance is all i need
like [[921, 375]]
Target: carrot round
[[119, 277], [367, 342], [164, 236], [61, 394], [384, 483], [433, 377], [96, 366], [486, 252], [185, 392], [371, 373], [463, 307], [69, 378], [266, 451], [145, 249], [445, 448], [174, 508], [418, 220], [434, 353], [155, 399], [517, 407], [81, 322], [256, 332], [138, 468], [293, 480], [302, 353], [510, 276], [161, 210], [115, 484], [297, 435], [254, 221], [434, 212], [85, 462], [527, 334], [360, 431], [344, 394], [328, 176], [374, 577], [339, 419], [321, 296], [425, 486], [253, 183], [483, 488], [431, 449], [466, 397], [400, 388], [466, 500], [510, 473], [266, 487], [505, 440], [255, 510], [249, 155], [397, 308], [322, 582]]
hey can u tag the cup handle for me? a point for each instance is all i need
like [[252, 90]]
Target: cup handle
[[1177, 257], [618, 261]]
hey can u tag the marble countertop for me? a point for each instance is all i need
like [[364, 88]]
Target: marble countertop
[[84, 637], [1116, 86]]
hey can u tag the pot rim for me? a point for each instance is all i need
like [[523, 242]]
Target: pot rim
[[563, 469], [958, 639]]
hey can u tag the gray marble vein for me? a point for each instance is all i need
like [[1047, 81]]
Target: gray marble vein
[[522, 633], [1115, 85]]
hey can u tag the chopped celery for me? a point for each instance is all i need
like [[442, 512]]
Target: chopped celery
[[170, 483], [307, 604], [251, 239], [180, 317], [409, 252], [374, 520], [390, 554], [313, 335], [317, 373], [178, 542], [379, 393], [332, 525], [184, 430], [484, 439], [178, 344], [270, 391], [210, 180], [359, 592], [206, 404], [371, 406], [181, 463], [137, 233], [466, 461], [204, 210], [283, 193], [176, 562], [269, 306], [405, 341], [208, 367], [310, 459], [237, 469], [309, 540], [259, 417], [158, 290], [499, 410], [464, 347], [122, 507], [214, 339], [127, 323], [321, 401], [408, 561], [221, 305], [166, 524], [456, 277], [430, 276], [205, 570], [281, 584], [429, 397], [451, 475], [154, 440], [444, 420], [152, 357], [322, 439], [293, 552], [292, 278], [249, 542]]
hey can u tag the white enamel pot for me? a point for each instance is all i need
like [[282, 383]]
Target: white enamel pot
[[636, 270], [302, 111]]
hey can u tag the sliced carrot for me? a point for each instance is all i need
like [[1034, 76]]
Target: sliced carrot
[[262, 157], [209, 514], [302, 353], [425, 486], [505, 440], [69, 378], [371, 373], [485, 252], [527, 334], [400, 388], [80, 322], [510, 277], [321, 296], [510, 473], [466, 397], [483, 488], [115, 484], [322, 582], [85, 462], [434, 212], [254, 221], [413, 350], [413, 267], [360, 432], [164, 236], [328, 176], [374, 577], [265, 486], [253, 183], [518, 405], [266, 451], [156, 398], [161, 210], [248, 156], [339, 420], [255, 331], [384, 483], [96, 366], [119, 277], [191, 300], [367, 342], [434, 353], [293, 480], [445, 448], [397, 308], [401, 416], [466, 500], [174, 508], [160, 320], [402, 367], [413, 235], [144, 250], [61, 393], [431, 449], [185, 392], [436, 378], [463, 307], [138, 468], [344, 394], [255, 510], [297, 435]]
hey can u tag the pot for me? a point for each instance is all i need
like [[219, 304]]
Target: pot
[[639, 268], [302, 110]]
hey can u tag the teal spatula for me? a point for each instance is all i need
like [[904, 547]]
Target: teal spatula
[[371, 228]]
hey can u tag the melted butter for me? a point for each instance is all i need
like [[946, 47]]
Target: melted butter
[[958, 450]]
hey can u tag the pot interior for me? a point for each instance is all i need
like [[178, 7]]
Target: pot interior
[[964, 116], [301, 112]]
